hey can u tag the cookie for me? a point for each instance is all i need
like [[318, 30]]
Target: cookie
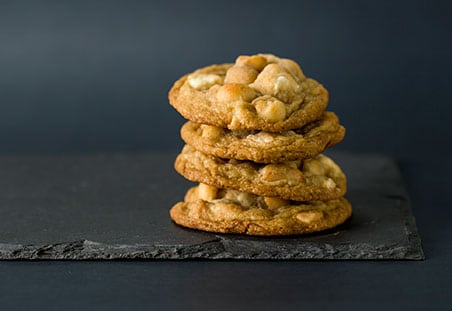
[[259, 92], [229, 211], [265, 147], [309, 180]]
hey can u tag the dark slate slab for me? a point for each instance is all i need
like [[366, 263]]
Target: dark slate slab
[[116, 207]]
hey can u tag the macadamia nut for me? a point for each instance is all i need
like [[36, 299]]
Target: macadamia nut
[[241, 74], [270, 108], [206, 192]]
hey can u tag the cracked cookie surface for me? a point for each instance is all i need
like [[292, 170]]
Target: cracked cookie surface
[[309, 180], [259, 92], [265, 147], [230, 211]]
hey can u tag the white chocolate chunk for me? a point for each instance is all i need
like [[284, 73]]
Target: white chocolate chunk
[[204, 81], [329, 184]]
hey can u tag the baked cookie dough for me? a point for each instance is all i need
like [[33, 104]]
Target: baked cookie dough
[[309, 180], [229, 211], [259, 92], [265, 147]]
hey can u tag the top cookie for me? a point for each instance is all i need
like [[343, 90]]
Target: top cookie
[[259, 92]]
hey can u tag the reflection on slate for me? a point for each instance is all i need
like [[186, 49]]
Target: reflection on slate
[[116, 207]]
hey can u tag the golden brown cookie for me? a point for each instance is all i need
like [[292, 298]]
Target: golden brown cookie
[[229, 211], [309, 180], [265, 147], [259, 92]]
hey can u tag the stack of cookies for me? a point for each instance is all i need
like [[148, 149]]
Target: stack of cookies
[[254, 140]]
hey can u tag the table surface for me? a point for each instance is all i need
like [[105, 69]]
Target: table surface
[[286, 285]]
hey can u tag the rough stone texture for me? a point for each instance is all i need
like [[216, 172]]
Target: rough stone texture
[[116, 207]]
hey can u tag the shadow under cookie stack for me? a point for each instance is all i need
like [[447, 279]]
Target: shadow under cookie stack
[[254, 140]]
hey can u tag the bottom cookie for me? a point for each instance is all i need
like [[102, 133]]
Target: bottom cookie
[[230, 211]]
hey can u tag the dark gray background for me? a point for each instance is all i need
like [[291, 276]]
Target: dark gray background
[[80, 76], [92, 76]]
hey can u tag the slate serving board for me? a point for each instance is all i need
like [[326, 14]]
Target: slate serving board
[[116, 207]]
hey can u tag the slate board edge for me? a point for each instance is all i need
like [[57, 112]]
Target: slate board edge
[[414, 244], [219, 248], [414, 250]]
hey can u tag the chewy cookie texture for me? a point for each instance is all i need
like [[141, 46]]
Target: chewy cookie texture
[[309, 180], [254, 140], [231, 211], [262, 92], [262, 146]]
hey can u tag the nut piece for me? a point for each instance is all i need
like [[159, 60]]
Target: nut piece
[[327, 162], [258, 62], [242, 113], [275, 203], [293, 164], [309, 216], [270, 108], [293, 68], [224, 210], [241, 74], [313, 167], [277, 81], [233, 92], [211, 132], [246, 199], [242, 198], [206, 192], [203, 81], [280, 173]]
